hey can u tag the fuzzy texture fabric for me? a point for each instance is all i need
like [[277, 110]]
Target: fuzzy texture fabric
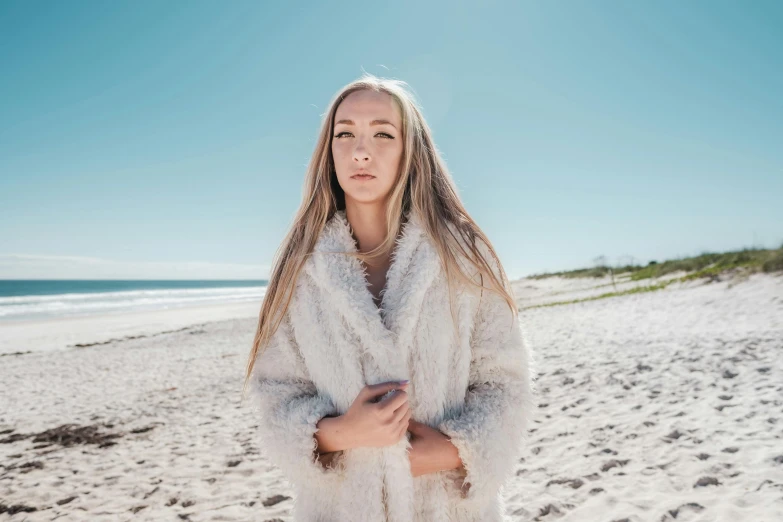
[[472, 382]]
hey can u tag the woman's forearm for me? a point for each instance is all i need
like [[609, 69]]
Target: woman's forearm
[[439, 455], [444, 457], [332, 435]]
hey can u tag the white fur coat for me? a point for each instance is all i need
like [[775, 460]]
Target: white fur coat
[[474, 386]]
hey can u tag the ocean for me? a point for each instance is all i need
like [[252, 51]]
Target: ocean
[[41, 299]]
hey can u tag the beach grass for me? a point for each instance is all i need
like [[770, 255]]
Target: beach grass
[[707, 264], [637, 290]]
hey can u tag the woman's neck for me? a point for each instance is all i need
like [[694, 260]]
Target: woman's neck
[[368, 223]]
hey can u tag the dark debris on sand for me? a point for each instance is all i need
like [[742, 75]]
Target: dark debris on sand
[[17, 508], [66, 435], [70, 435]]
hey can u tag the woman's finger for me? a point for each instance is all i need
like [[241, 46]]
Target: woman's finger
[[399, 413], [405, 421]]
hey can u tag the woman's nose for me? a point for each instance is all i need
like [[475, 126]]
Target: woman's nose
[[360, 153]]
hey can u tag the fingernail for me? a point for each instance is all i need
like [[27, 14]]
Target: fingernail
[[406, 381]]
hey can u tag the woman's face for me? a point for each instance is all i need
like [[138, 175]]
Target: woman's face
[[367, 137]]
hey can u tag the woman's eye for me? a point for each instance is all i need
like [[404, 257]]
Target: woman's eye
[[388, 136]]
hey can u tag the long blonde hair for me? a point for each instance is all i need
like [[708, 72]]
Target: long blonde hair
[[423, 185]]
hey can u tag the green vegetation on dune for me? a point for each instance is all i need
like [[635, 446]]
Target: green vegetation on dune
[[711, 264], [637, 290], [708, 264], [598, 271], [774, 263]]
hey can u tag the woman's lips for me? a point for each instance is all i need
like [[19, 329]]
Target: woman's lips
[[362, 177]]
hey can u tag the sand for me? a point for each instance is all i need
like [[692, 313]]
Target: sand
[[655, 406]]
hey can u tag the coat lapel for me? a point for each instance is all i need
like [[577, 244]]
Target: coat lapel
[[385, 334]]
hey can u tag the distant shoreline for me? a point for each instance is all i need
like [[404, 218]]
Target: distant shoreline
[[72, 299], [64, 333]]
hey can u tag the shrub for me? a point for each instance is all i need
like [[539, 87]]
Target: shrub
[[775, 263]]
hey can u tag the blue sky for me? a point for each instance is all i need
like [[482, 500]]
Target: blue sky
[[154, 139]]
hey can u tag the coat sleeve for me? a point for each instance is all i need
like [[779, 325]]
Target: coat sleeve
[[489, 430], [290, 406]]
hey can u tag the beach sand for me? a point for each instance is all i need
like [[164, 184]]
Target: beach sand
[[657, 406]]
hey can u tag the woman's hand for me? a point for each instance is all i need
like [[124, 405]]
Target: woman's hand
[[431, 450], [368, 423]]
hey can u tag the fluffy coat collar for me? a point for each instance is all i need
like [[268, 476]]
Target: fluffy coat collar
[[385, 330]]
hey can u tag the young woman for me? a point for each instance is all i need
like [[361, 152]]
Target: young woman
[[389, 366]]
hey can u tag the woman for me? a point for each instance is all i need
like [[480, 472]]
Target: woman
[[385, 278]]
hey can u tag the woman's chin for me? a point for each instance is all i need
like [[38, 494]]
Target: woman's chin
[[364, 198]]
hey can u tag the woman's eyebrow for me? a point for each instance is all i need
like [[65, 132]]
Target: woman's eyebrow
[[373, 122]]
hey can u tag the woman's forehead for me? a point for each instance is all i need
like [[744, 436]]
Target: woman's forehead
[[369, 106]]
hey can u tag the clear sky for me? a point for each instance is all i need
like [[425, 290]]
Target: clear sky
[[169, 139]]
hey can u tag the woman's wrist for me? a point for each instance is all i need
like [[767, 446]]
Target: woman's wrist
[[437, 456], [333, 434]]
